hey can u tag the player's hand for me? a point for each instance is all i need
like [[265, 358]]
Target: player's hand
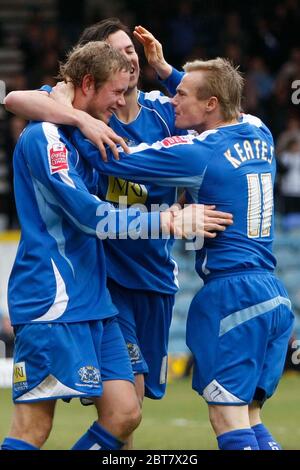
[[215, 221], [183, 223], [153, 52], [174, 208], [101, 134], [63, 93], [195, 220], [189, 221]]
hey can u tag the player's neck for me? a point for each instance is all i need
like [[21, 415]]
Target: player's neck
[[129, 112], [223, 123], [215, 123]]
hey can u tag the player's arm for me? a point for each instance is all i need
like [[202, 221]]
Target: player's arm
[[182, 164], [173, 162], [37, 105], [56, 180], [153, 50]]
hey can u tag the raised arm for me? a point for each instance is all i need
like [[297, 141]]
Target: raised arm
[[154, 54]]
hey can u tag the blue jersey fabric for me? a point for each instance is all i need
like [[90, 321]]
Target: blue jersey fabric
[[67, 360], [59, 274], [142, 264], [243, 309], [248, 319], [145, 320], [173, 80], [232, 167]]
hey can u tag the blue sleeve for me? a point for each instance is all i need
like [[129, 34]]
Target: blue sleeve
[[47, 88], [173, 80], [52, 164], [178, 161]]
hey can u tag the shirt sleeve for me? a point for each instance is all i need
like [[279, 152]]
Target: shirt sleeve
[[173, 80], [47, 88], [52, 164], [179, 161]]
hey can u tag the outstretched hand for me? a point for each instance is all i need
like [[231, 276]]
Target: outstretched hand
[[183, 223], [101, 134], [194, 220], [153, 51]]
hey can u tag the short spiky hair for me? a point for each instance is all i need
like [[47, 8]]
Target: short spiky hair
[[222, 80], [97, 59], [101, 30]]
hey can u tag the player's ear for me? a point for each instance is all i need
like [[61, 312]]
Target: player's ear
[[88, 85], [212, 103]]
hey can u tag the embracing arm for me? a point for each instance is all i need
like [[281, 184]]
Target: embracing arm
[[37, 105], [52, 164], [173, 162], [55, 179]]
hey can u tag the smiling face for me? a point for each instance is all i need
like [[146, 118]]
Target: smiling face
[[109, 97], [122, 42]]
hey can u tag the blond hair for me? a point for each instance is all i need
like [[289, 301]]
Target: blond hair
[[222, 80], [96, 58]]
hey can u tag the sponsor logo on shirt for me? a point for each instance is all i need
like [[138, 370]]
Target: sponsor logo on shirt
[[176, 140], [58, 157], [136, 193]]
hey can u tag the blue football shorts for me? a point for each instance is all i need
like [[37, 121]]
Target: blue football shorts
[[238, 329], [68, 360], [145, 319]]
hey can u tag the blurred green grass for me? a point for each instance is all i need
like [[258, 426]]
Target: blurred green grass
[[179, 421]]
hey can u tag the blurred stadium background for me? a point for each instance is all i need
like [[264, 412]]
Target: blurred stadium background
[[264, 40]]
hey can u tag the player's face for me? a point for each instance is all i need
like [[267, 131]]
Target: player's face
[[109, 97], [190, 111], [122, 42]]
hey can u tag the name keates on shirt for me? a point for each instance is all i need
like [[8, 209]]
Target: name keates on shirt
[[246, 150]]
